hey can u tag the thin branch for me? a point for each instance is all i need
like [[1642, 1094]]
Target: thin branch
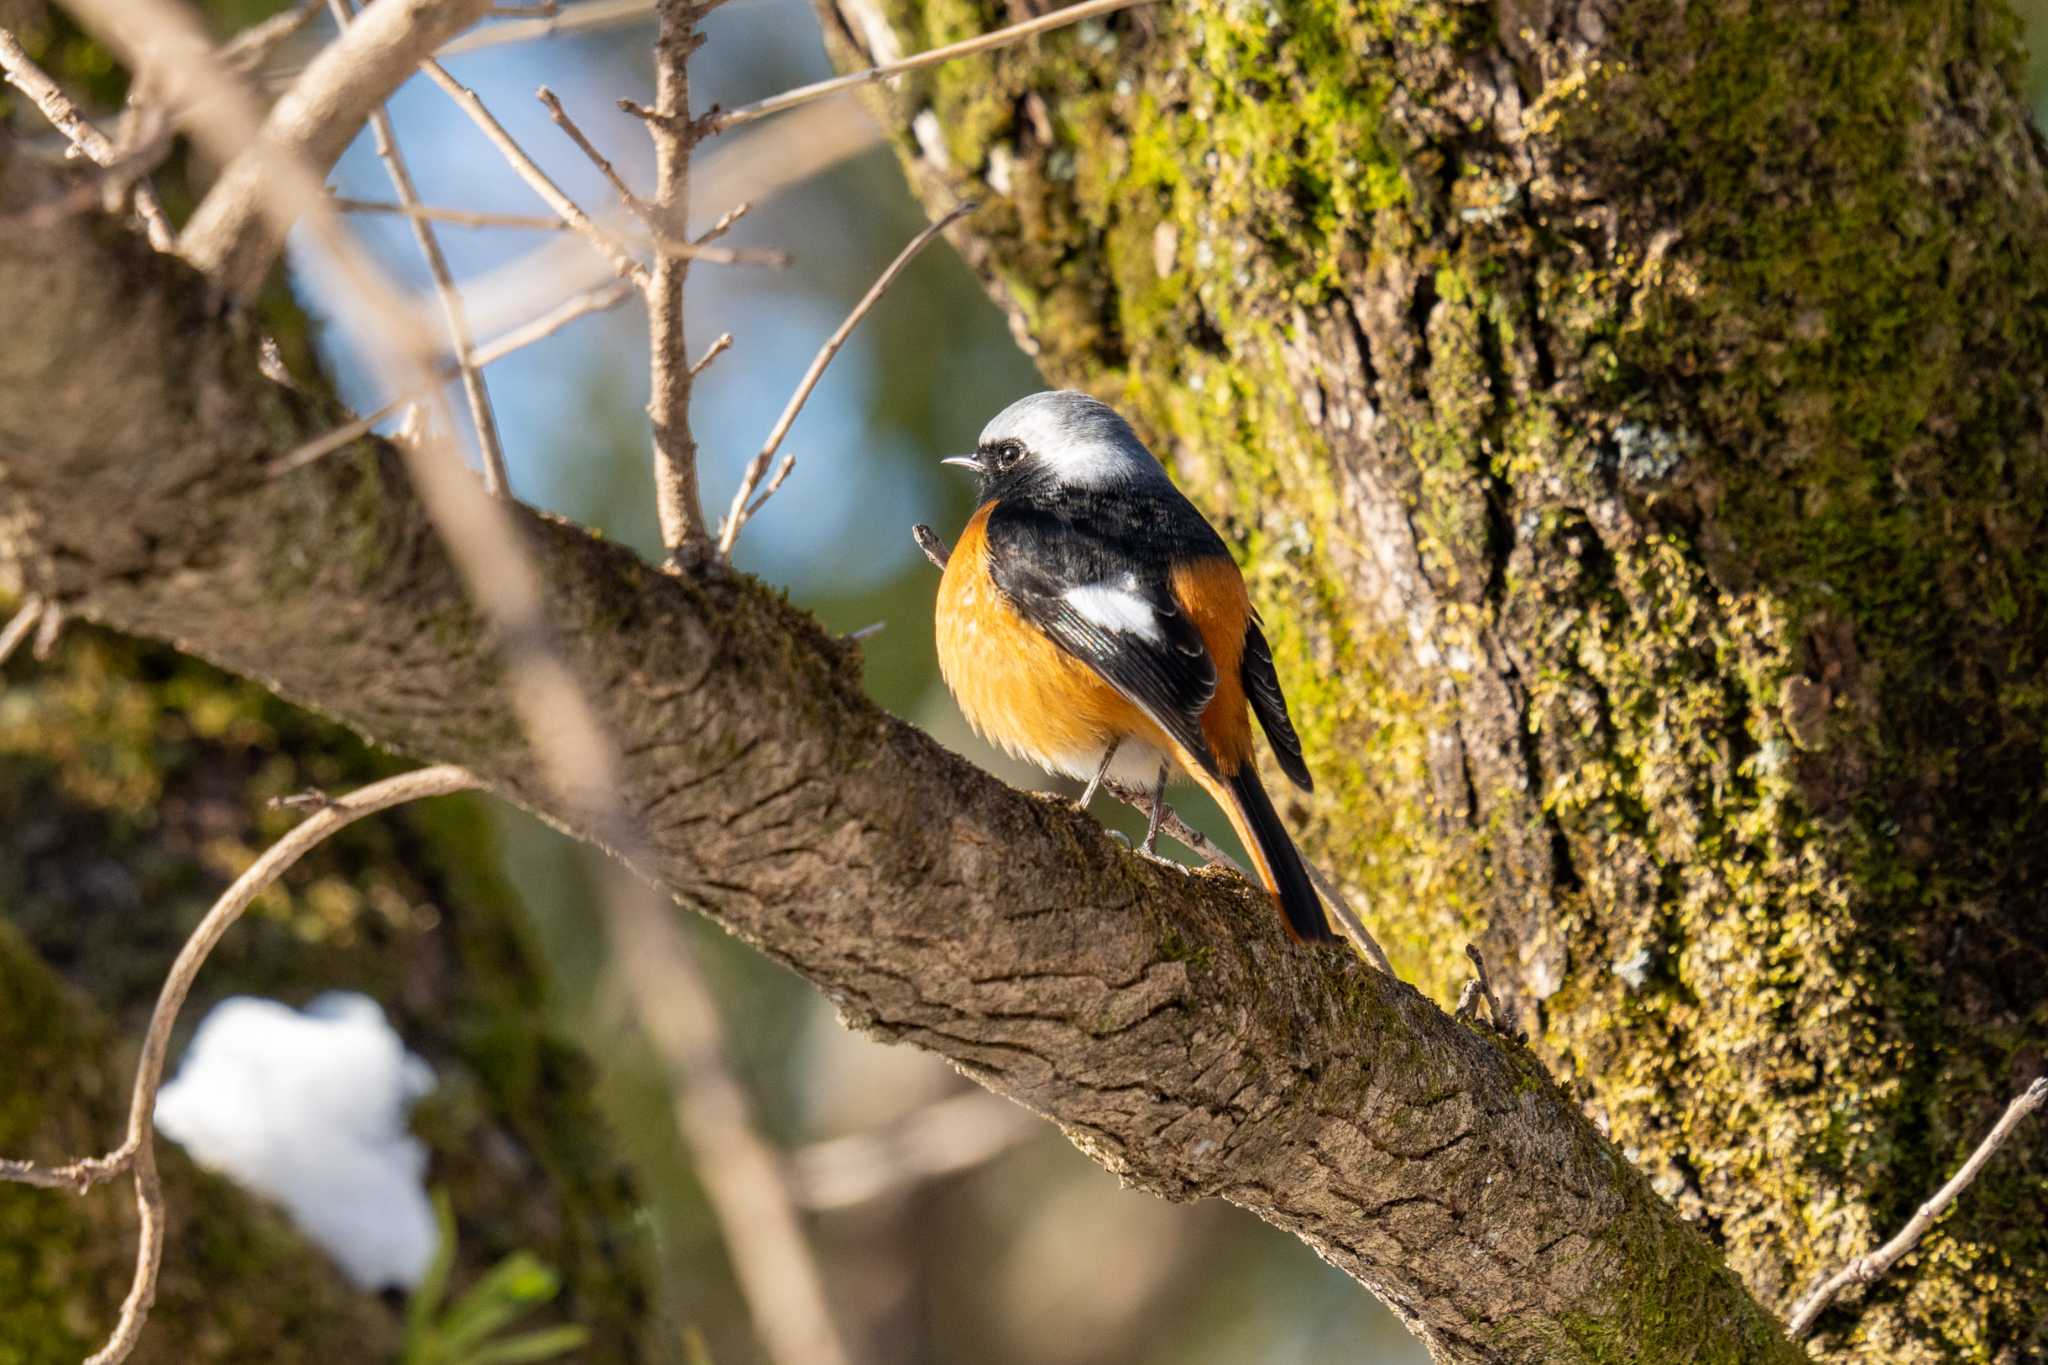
[[717, 348], [737, 515], [1865, 1269], [678, 502], [1480, 990], [256, 44], [1361, 937], [1002, 37], [611, 248], [782, 472], [947, 1137], [633, 202], [237, 230], [455, 217], [137, 1152], [583, 305], [49, 625], [19, 627], [725, 222], [580, 18], [489, 446], [1173, 827], [25, 76]]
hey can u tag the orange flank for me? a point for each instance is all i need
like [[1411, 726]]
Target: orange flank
[[1212, 593]]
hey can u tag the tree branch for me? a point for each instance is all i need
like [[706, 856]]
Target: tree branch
[[229, 236], [1163, 1020]]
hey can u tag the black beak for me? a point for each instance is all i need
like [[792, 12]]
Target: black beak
[[964, 461]]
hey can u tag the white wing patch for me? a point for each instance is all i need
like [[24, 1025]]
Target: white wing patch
[[1115, 608]]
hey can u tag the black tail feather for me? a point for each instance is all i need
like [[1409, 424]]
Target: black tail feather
[[1298, 899]]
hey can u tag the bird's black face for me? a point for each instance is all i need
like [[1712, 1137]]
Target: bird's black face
[[1002, 468]]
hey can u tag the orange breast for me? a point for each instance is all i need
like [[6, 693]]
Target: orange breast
[[1016, 687], [1021, 691]]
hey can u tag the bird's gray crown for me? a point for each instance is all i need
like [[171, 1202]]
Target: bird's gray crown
[[1076, 439]]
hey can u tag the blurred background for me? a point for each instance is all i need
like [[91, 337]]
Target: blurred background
[[1025, 1251]]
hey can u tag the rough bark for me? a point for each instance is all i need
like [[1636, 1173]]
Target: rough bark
[[1632, 415], [1163, 1020], [133, 787]]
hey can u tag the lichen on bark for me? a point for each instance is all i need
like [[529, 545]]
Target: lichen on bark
[[1631, 418]]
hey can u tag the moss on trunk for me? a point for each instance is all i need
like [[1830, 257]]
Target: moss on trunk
[[1631, 418]]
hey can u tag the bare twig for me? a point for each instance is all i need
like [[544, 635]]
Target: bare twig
[[1478, 989], [18, 628], [489, 446], [633, 202], [583, 305], [716, 349], [49, 625], [737, 515], [256, 44], [944, 1138], [782, 472], [1865, 1269], [1002, 37], [137, 1152], [238, 227], [753, 165], [610, 247], [725, 222], [526, 222], [580, 18], [25, 76], [1173, 827], [934, 549], [678, 503], [1354, 927]]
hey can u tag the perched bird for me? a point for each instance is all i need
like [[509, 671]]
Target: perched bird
[[1091, 621]]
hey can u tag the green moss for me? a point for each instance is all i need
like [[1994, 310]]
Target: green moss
[[1742, 393]]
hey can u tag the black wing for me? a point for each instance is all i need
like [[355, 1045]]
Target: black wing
[[1145, 648], [1269, 704]]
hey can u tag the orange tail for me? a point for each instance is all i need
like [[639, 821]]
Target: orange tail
[[1258, 825]]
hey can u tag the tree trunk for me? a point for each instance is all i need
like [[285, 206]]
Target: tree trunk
[[1630, 416], [133, 787]]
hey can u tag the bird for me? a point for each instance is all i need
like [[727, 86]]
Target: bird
[[1091, 621]]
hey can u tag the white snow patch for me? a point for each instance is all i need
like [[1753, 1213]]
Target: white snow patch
[[1115, 608], [309, 1109]]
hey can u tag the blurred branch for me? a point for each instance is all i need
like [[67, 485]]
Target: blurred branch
[[489, 446], [945, 1138], [455, 217], [576, 18], [741, 511], [137, 1153], [235, 233], [1867, 1269], [25, 76], [987, 42]]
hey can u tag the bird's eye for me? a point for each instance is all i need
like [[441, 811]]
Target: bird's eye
[[1007, 453]]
